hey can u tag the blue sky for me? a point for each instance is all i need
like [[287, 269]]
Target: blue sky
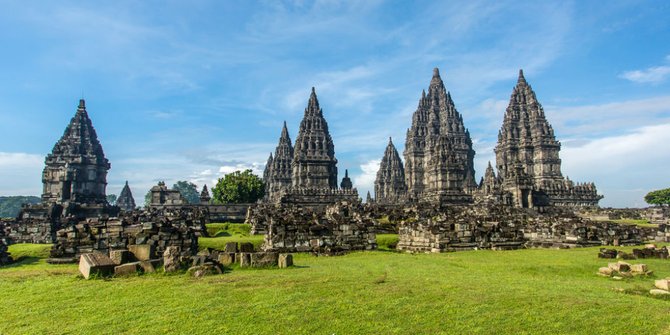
[[192, 90]]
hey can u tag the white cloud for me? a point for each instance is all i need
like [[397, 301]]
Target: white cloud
[[651, 75], [365, 181], [21, 173], [624, 167], [609, 117]]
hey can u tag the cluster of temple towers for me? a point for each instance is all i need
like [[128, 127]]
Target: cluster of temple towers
[[439, 158], [307, 171], [438, 161]]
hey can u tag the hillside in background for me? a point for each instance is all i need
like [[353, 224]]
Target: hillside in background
[[10, 206]]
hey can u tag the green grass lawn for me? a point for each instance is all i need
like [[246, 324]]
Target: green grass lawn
[[536, 291], [633, 222], [222, 233]]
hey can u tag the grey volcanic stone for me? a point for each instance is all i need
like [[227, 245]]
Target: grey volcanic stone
[[95, 263]]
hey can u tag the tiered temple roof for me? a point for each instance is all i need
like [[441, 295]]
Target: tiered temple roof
[[390, 184], [527, 156], [76, 169], [278, 168], [438, 149], [126, 201], [314, 162]]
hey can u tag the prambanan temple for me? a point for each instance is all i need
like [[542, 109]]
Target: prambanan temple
[[439, 158], [431, 195]]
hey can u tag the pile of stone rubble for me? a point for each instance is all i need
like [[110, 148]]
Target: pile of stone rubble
[[143, 258]]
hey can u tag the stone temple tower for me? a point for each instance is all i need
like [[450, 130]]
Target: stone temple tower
[[527, 157], [126, 201], [76, 169], [278, 171], [390, 187], [314, 163], [438, 149]]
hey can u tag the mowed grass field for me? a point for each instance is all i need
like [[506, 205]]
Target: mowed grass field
[[537, 291]]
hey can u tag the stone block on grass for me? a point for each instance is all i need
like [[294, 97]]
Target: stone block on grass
[[95, 264], [150, 265], [226, 258], [605, 271], [285, 260], [244, 259], [639, 268], [142, 252], [264, 259], [127, 269], [619, 266], [119, 256], [171, 259], [659, 292], [663, 284]]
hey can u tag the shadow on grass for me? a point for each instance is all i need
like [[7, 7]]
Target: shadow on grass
[[23, 260]]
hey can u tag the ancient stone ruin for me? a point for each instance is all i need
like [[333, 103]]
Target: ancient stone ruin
[[439, 167], [438, 229], [306, 173], [390, 186], [527, 157], [76, 169], [5, 241], [126, 201], [161, 195], [438, 149], [157, 228], [293, 228]]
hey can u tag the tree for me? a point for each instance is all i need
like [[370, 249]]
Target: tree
[[111, 198], [658, 197], [188, 190], [239, 187]]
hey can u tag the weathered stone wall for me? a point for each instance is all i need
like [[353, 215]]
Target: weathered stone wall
[[341, 227], [501, 227], [36, 224], [228, 212], [5, 241], [158, 227]]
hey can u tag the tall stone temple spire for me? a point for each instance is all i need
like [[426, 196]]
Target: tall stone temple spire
[[314, 164], [76, 169], [306, 173], [278, 171], [126, 201], [527, 156], [438, 149], [390, 184]]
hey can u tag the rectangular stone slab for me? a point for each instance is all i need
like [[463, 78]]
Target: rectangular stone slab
[[127, 269], [95, 263], [264, 259], [142, 252], [285, 260]]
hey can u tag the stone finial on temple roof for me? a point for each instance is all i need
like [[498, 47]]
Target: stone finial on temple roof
[[521, 79]]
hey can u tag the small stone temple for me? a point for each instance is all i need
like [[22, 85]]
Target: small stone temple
[[76, 169], [126, 201], [390, 187], [278, 172]]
